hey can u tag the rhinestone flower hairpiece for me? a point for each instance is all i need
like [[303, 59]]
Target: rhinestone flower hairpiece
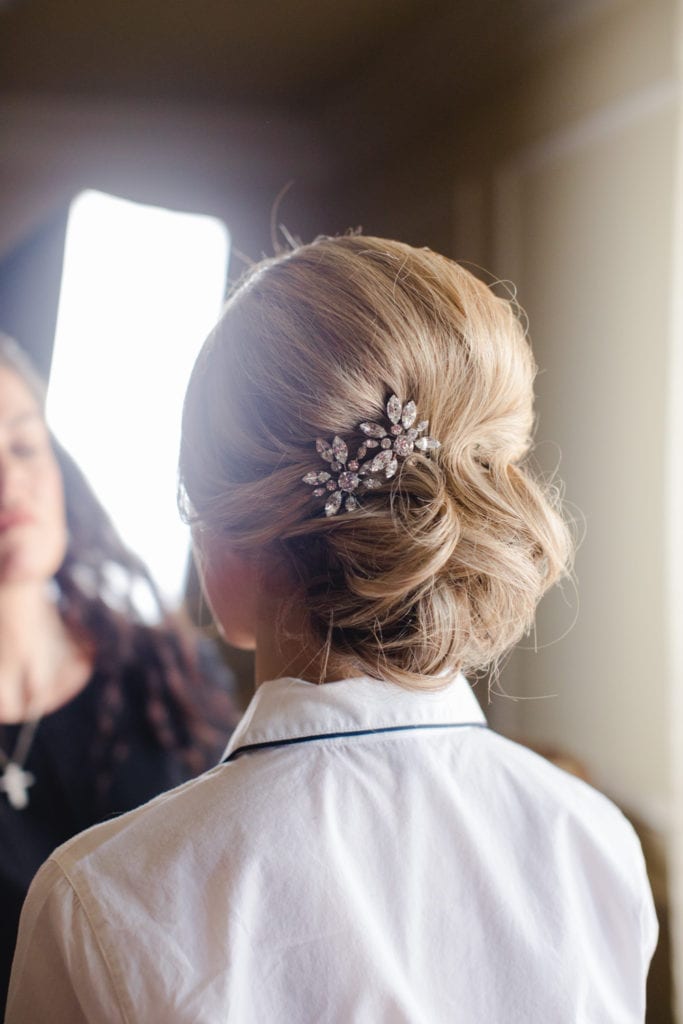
[[345, 478]]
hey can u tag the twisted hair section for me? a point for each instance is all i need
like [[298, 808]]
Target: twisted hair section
[[443, 566]]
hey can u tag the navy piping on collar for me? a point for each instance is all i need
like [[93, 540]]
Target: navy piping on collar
[[355, 732]]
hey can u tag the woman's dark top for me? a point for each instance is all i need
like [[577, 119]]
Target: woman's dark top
[[77, 786]]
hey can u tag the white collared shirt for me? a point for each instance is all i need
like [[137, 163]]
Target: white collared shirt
[[366, 855]]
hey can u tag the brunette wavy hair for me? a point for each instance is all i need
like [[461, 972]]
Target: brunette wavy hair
[[443, 566]]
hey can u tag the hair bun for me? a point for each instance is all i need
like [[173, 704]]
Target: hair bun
[[444, 565]]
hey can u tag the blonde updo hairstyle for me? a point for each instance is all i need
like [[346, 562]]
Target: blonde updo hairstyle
[[441, 568]]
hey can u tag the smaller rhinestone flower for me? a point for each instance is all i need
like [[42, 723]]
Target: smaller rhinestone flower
[[347, 476]]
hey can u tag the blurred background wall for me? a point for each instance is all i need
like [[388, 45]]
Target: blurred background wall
[[538, 139]]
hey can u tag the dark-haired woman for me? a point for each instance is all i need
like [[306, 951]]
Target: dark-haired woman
[[98, 712]]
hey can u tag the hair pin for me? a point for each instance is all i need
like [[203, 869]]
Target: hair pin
[[344, 478]]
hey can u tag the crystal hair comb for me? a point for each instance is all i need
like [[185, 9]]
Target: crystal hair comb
[[344, 478]]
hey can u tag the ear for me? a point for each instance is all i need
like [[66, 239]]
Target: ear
[[231, 586]]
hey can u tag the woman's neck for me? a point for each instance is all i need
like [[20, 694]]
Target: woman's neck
[[40, 665], [283, 649]]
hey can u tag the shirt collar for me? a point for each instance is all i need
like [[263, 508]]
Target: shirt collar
[[287, 710]]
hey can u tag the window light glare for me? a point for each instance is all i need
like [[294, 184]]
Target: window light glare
[[141, 289]]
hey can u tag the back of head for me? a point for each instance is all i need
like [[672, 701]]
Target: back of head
[[443, 565]]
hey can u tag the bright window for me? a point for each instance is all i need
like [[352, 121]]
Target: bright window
[[141, 288]]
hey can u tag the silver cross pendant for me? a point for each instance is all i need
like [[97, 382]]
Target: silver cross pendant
[[15, 782]]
